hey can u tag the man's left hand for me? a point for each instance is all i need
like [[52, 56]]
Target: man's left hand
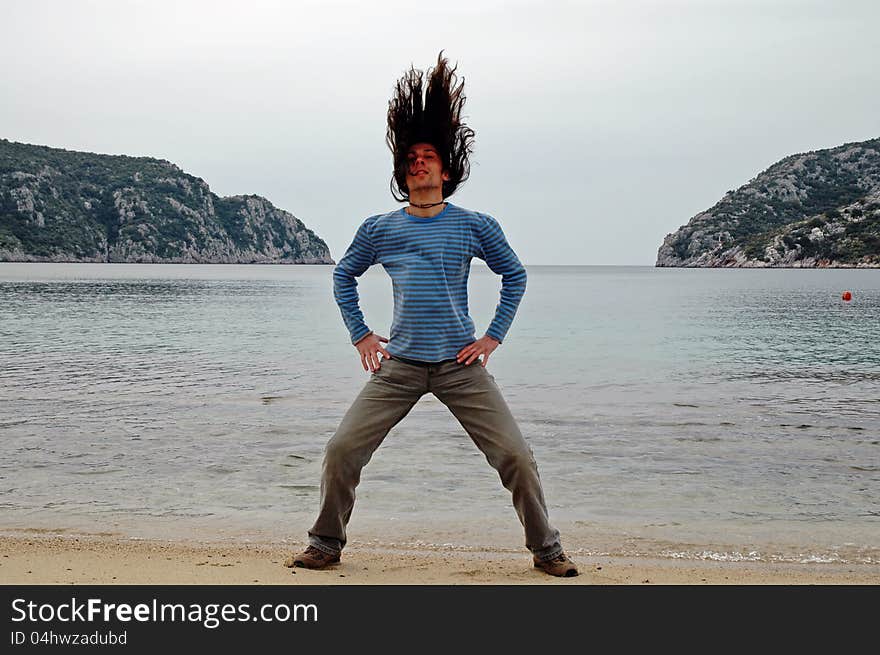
[[482, 346]]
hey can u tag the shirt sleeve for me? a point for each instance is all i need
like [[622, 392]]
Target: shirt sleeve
[[361, 254], [502, 260]]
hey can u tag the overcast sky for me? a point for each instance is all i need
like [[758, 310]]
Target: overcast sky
[[600, 126]]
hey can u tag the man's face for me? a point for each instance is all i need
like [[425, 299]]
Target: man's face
[[424, 169]]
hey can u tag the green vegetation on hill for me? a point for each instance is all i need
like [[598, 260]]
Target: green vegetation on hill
[[820, 208], [62, 205]]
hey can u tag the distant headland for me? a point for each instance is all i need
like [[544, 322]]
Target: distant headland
[[818, 209], [66, 206]]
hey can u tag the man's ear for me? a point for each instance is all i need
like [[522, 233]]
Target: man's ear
[[445, 176]]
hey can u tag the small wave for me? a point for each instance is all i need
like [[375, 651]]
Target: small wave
[[97, 471], [220, 469], [801, 374], [676, 424], [781, 558], [8, 424], [715, 556], [419, 544], [818, 559], [182, 514], [299, 487], [560, 422]]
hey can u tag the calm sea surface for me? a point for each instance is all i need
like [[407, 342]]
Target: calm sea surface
[[723, 414]]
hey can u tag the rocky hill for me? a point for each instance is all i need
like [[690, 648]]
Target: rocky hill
[[817, 209], [68, 206]]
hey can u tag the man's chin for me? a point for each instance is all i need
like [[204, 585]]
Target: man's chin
[[423, 187]]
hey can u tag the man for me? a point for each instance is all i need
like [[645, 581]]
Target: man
[[427, 248]]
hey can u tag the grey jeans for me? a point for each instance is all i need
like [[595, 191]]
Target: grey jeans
[[474, 398]]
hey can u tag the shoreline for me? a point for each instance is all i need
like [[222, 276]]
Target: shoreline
[[100, 559]]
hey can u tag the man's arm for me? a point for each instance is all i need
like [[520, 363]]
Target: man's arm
[[497, 253], [357, 259], [501, 259]]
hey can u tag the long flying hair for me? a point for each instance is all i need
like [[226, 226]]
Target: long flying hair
[[434, 119]]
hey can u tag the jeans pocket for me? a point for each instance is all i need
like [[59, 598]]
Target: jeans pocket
[[384, 370]]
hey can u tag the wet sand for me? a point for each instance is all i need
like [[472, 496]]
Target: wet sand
[[98, 559]]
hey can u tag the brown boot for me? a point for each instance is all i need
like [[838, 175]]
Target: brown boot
[[311, 558], [560, 566]]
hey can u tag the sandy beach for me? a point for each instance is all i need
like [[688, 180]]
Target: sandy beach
[[101, 559]]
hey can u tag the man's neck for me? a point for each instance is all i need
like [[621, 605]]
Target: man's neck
[[426, 199]]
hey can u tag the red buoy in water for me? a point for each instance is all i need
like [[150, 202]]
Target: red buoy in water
[[847, 296]]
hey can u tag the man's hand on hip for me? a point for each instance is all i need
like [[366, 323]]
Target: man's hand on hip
[[482, 346], [368, 346]]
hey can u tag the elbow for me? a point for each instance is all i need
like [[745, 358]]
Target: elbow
[[343, 282], [518, 278], [341, 275]]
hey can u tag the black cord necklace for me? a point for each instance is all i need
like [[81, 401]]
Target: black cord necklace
[[427, 205]]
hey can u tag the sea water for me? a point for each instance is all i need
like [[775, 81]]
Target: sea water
[[719, 414]]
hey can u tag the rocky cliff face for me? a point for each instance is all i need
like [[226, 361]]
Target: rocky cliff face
[[67, 206], [817, 209]]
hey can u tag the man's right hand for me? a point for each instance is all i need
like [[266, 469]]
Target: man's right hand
[[368, 346]]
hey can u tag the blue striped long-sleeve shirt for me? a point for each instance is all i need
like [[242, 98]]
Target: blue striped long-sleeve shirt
[[429, 260]]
